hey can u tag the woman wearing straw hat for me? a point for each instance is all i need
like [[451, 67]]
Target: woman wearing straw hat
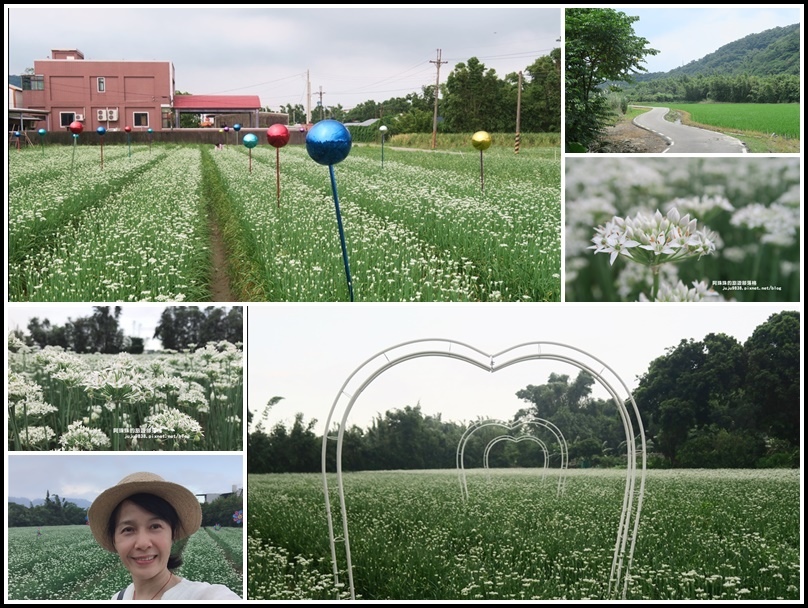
[[139, 519]]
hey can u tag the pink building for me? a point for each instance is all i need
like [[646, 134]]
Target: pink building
[[109, 94]]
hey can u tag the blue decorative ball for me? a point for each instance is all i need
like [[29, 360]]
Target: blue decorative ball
[[328, 142], [42, 131], [100, 130], [237, 127], [250, 140], [17, 134]]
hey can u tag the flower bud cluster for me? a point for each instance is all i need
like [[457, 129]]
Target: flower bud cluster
[[654, 239]]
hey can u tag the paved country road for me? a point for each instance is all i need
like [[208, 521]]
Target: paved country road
[[682, 138]]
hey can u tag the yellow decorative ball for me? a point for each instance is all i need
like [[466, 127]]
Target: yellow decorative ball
[[481, 140]]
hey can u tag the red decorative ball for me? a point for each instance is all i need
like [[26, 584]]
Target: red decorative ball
[[278, 136], [128, 129], [76, 127]]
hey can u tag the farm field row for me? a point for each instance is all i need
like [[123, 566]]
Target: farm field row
[[38, 570], [422, 227], [703, 535]]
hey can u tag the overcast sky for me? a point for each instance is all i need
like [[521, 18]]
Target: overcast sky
[[354, 52], [686, 34], [304, 353], [85, 475], [136, 320]]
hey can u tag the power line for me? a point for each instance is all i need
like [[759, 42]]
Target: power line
[[260, 84]]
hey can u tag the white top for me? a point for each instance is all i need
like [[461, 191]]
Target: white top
[[189, 590]]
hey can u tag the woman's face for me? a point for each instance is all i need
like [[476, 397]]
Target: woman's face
[[142, 540]]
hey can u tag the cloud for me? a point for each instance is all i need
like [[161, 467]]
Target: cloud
[[683, 35], [267, 51], [85, 475]]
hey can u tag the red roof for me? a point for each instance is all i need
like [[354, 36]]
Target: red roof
[[217, 102]]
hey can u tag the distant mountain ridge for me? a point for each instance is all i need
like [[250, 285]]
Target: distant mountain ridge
[[769, 53]]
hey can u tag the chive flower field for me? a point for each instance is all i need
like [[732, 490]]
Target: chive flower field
[[427, 226], [134, 231], [60, 400], [703, 535], [683, 229], [65, 563]]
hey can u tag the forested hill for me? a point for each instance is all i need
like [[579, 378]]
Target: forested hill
[[769, 53]]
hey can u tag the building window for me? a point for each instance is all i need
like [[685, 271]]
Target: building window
[[141, 119], [102, 84], [65, 118], [33, 83]]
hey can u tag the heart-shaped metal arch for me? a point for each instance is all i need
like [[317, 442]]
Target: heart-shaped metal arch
[[520, 439], [529, 420], [384, 360]]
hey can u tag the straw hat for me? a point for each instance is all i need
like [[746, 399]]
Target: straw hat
[[184, 502]]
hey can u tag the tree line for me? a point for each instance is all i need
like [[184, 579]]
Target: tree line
[[182, 327], [710, 403], [740, 88], [56, 511], [179, 328], [473, 98], [719, 403], [96, 333]]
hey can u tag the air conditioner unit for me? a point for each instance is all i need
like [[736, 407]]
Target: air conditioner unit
[[79, 116], [112, 114], [101, 114]]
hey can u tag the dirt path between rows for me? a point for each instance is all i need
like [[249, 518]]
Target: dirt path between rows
[[235, 564], [219, 280]]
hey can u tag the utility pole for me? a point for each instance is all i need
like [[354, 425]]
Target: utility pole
[[308, 98], [518, 115], [437, 88], [320, 103]]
